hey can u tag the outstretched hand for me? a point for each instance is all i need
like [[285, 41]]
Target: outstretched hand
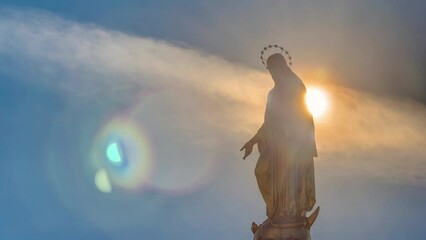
[[248, 149]]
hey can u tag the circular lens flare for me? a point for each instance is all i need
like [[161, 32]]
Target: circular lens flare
[[121, 148], [316, 101]]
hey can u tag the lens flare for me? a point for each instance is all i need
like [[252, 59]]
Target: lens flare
[[185, 151], [316, 101], [122, 150], [102, 181], [113, 153]]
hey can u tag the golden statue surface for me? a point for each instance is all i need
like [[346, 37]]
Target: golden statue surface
[[285, 169]]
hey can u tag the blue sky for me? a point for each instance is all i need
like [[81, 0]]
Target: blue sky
[[179, 84]]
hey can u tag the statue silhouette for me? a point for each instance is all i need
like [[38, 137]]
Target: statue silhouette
[[286, 143]]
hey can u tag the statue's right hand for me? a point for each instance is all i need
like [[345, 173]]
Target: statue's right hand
[[248, 149]]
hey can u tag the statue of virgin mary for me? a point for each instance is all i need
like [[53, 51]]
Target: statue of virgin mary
[[286, 143]]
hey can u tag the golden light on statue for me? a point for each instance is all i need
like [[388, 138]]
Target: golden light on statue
[[286, 143], [317, 101]]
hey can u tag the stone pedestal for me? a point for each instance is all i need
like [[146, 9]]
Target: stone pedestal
[[285, 228], [284, 231]]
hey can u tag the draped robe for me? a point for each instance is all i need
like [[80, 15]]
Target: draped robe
[[286, 141]]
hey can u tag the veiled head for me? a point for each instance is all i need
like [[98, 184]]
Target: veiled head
[[277, 65]]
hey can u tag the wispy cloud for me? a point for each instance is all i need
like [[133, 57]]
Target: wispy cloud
[[203, 96], [197, 109]]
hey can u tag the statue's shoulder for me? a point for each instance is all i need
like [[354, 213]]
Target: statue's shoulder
[[271, 93]]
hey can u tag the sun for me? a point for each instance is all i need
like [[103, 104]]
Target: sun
[[317, 101]]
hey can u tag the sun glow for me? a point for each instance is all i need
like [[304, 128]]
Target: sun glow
[[317, 101]]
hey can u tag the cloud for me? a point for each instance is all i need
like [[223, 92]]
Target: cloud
[[200, 93], [196, 109], [381, 136], [189, 105], [375, 47]]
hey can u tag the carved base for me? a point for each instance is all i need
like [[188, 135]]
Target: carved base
[[293, 230], [285, 228]]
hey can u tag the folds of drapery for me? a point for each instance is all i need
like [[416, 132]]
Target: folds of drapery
[[285, 170]]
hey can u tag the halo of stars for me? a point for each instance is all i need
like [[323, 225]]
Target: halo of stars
[[275, 46]]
